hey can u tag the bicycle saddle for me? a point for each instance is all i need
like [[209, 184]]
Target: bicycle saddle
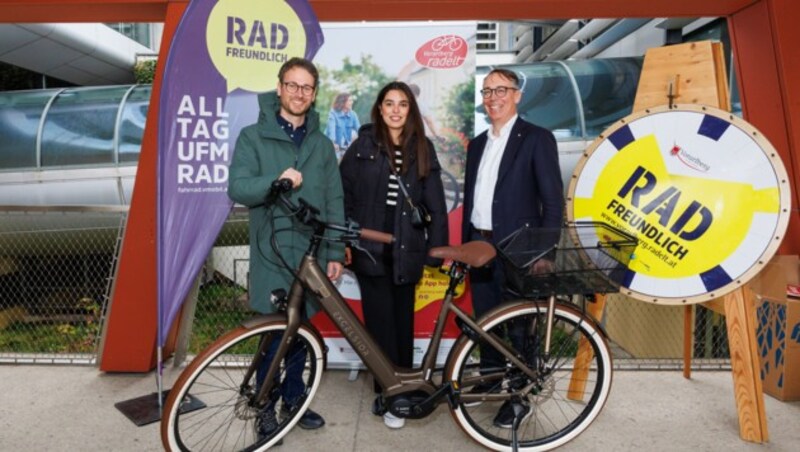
[[474, 254]]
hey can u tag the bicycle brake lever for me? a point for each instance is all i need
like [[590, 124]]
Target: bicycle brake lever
[[306, 212], [314, 211], [356, 244]]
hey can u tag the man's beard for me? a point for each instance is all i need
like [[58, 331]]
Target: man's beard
[[289, 109]]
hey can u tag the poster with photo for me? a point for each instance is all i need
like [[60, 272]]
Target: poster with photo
[[437, 60]]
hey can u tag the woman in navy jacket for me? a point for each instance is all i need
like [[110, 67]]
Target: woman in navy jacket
[[393, 150]]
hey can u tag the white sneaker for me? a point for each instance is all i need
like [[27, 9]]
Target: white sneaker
[[393, 421]]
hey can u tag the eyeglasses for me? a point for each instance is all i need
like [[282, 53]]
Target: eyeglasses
[[293, 87], [500, 91]]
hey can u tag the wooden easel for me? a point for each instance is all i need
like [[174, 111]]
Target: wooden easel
[[694, 73]]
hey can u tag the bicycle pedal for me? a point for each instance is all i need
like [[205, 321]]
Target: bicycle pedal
[[453, 395], [378, 406]]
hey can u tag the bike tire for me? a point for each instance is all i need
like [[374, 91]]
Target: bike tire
[[559, 408], [448, 180], [216, 377]]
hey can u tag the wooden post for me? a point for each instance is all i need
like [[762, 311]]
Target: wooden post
[[694, 73], [740, 318], [580, 370], [687, 341]]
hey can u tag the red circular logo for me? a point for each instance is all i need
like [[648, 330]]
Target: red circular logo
[[443, 52]]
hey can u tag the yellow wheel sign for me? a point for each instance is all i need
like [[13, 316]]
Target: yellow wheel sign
[[704, 192]]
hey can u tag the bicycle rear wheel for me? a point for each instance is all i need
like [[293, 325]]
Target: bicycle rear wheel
[[572, 386], [217, 378]]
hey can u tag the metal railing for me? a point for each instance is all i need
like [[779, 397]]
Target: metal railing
[[56, 267]]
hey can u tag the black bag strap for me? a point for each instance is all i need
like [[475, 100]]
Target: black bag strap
[[400, 183]]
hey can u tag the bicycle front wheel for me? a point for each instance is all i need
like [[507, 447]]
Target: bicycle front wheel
[[228, 419], [572, 384]]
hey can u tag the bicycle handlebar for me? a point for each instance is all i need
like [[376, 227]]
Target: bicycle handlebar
[[377, 236], [309, 215]]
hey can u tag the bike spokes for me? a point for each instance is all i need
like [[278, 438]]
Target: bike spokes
[[555, 405], [225, 381]]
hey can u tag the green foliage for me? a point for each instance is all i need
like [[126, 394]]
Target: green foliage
[[76, 336], [361, 79], [451, 147], [22, 338], [144, 72], [219, 309], [459, 108]]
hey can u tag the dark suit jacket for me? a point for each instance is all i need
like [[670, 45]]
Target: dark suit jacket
[[529, 190]]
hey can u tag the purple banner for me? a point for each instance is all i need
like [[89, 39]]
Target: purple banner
[[223, 54]]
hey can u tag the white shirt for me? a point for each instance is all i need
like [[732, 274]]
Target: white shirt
[[483, 195]]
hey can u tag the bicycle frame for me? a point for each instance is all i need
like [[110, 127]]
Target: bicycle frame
[[520, 384], [395, 380]]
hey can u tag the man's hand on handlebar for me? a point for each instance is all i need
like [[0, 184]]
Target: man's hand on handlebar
[[307, 214], [293, 175]]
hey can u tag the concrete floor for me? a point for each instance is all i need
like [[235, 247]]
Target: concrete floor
[[71, 408]]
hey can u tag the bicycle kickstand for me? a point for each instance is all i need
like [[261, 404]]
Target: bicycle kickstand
[[519, 415]]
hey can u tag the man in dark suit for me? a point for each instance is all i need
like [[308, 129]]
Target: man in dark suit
[[512, 180]]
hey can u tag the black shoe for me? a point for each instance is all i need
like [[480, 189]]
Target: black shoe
[[378, 407], [482, 388], [266, 424], [505, 416], [309, 420]]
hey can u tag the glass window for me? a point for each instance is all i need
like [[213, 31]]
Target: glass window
[[736, 100], [131, 126], [79, 127], [139, 32], [548, 99], [20, 113], [607, 90]]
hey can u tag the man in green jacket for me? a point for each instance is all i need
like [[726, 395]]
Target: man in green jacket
[[286, 143]]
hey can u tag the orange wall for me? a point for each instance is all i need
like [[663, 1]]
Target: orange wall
[[356, 10], [130, 341], [764, 37]]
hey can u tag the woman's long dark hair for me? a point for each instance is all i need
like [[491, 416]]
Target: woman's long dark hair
[[413, 131]]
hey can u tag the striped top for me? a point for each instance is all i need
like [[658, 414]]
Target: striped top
[[393, 192]]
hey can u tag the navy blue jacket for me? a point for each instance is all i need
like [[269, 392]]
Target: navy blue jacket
[[529, 190], [365, 177]]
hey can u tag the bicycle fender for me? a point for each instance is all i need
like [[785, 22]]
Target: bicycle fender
[[263, 319], [543, 304]]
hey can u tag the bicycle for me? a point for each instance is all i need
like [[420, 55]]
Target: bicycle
[[556, 379], [452, 42], [452, 190]]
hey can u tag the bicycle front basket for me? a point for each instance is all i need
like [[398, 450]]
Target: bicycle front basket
[[582, 258]]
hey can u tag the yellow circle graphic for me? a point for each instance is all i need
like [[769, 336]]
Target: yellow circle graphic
[[704, 193], [249, 40]]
